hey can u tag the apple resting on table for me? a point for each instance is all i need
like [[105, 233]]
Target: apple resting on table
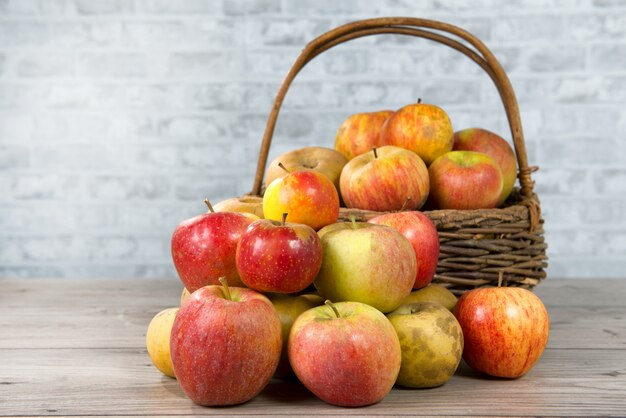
[[432, 344], [346, 353], [158, 340], [225, 345], [505, 328]]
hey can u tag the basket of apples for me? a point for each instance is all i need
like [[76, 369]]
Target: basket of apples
[[401, 166], [343, 265]]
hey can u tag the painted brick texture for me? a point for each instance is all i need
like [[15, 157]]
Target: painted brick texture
[[117, 117]]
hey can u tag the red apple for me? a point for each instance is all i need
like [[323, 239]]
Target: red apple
[[225, 345], [422, 234], [482, 140], [505, 330], [308, 197], [360, 133], [279, 257], [347, 354], [422, 128], [381, 180], [464, 180], [203, 248]]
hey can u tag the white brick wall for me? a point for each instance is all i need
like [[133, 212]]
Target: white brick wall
[[117, 117]]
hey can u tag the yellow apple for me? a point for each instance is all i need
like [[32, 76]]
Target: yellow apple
[[158, 340], [244, 204], [322, 160]]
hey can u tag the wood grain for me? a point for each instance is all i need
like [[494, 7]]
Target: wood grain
[[72, 347]]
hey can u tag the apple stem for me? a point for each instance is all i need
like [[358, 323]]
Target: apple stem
[[405, 204], [375, 153], [353, 220], [284, 168], [225, 289], [206, 202], [284, 218], [419, 100], [333, 307], [500, 276]]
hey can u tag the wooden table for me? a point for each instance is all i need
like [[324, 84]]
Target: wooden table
[[76, 347]]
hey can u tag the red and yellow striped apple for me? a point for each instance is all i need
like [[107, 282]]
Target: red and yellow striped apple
[[383, 178], [308, 197], [422, 128], [422, 234], [482, 140], [464, 180], [505, 329], [360, 133]]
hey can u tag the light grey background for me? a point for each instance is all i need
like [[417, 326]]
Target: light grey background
[[117, 117]]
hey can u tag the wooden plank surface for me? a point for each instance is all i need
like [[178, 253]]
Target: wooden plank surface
[[73, 347]]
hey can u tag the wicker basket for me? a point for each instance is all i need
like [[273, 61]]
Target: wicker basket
[[476, 245]]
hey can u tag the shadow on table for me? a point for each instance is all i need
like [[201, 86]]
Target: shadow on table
[[287, 390]]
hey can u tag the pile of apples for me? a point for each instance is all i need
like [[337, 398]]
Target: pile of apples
[[276, 287]]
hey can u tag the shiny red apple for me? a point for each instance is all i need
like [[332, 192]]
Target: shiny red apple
[[278, 257], [225, 345], [505, 329], [203, 248], [422, 234]]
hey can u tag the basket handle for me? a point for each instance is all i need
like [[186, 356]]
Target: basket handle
[[423, 28]]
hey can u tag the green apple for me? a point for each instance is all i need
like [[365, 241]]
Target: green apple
[[431, 341], [289, 308], [433, 293], [367, 263]]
